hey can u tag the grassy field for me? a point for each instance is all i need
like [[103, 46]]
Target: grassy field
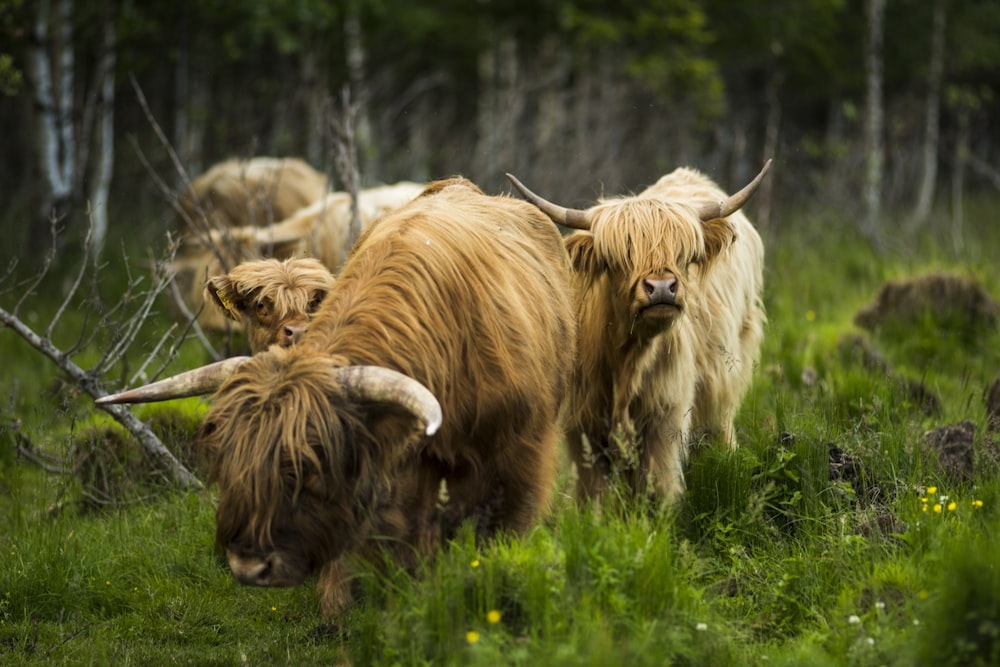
[[835, 535]]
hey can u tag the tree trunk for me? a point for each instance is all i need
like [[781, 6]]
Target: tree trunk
[[958, 178], [191, 91], [105, 158], [499, 105], [314, 92], [50, 64], [772, 127], [356, 57], [874, 146], [925, 197]]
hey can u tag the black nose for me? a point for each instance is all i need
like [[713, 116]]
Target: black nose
[[661, 291]]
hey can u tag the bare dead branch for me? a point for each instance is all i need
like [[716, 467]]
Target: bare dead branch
[[89, 381], [25, 448], [192, 319], [76, 284], [149, 358], [984, 169], [46, 264]]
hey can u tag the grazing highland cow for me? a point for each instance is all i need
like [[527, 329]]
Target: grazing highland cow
[[320, 230], [670, 325], [273, 299], [257, 191], [424, 393]]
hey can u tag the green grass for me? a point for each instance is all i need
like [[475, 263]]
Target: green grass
[[770, 559]]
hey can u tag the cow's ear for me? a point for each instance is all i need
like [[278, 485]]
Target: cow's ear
[[582, 258], [396, 433], [719, 235], [220, 291]]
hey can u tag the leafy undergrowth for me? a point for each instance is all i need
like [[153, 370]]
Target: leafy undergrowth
[[842, 531]]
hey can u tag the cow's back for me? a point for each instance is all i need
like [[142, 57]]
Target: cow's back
[[469, 295]]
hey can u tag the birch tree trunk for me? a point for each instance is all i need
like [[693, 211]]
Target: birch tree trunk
[[875, 148], [925, 196], [50, 63], [105, 158]]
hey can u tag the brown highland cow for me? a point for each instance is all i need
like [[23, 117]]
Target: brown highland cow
[[272, 299], [424, 394]]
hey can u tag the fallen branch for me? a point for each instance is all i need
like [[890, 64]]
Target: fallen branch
[[125, 328]]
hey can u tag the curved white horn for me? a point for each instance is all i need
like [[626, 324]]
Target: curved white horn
[[567, 217], [375, 383], [736, 201], [196, 382]]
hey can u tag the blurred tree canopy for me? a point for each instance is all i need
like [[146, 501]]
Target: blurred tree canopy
[[578, 97]]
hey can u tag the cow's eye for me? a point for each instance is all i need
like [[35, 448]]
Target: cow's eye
[[315, 302]]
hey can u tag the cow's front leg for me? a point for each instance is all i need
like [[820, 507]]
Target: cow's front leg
[[334, 587]]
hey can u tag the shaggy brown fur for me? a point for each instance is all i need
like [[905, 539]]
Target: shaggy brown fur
[[465, 293], [951, 300], [670, 327], [273, 299], [320, 230]]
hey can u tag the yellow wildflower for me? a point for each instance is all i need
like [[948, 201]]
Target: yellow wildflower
[[937, 507], [931, 489], [952, 505], [472, 636], [493, 616], [977, 503], [474, 563]]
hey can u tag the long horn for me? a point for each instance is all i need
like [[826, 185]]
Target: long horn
[[735, 202], [375, 383], [567, 217], [196, 382]]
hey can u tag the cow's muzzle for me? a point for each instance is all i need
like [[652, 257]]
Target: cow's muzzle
[[264, 570], [660, 292]]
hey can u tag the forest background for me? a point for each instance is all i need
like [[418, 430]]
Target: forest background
[[866, 105]]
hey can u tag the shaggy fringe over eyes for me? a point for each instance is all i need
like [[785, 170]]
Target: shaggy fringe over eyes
[[272, 428], [288, 284], [662, 234]]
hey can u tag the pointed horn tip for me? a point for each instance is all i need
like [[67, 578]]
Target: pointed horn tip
[[433, 425], [518, 185]]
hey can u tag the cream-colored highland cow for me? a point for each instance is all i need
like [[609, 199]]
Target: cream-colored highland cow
[[256, 191], [272, 299], [320, 230], [671, 321]]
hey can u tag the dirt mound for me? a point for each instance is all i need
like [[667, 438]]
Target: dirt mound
[[952, 447], [947, 299]]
